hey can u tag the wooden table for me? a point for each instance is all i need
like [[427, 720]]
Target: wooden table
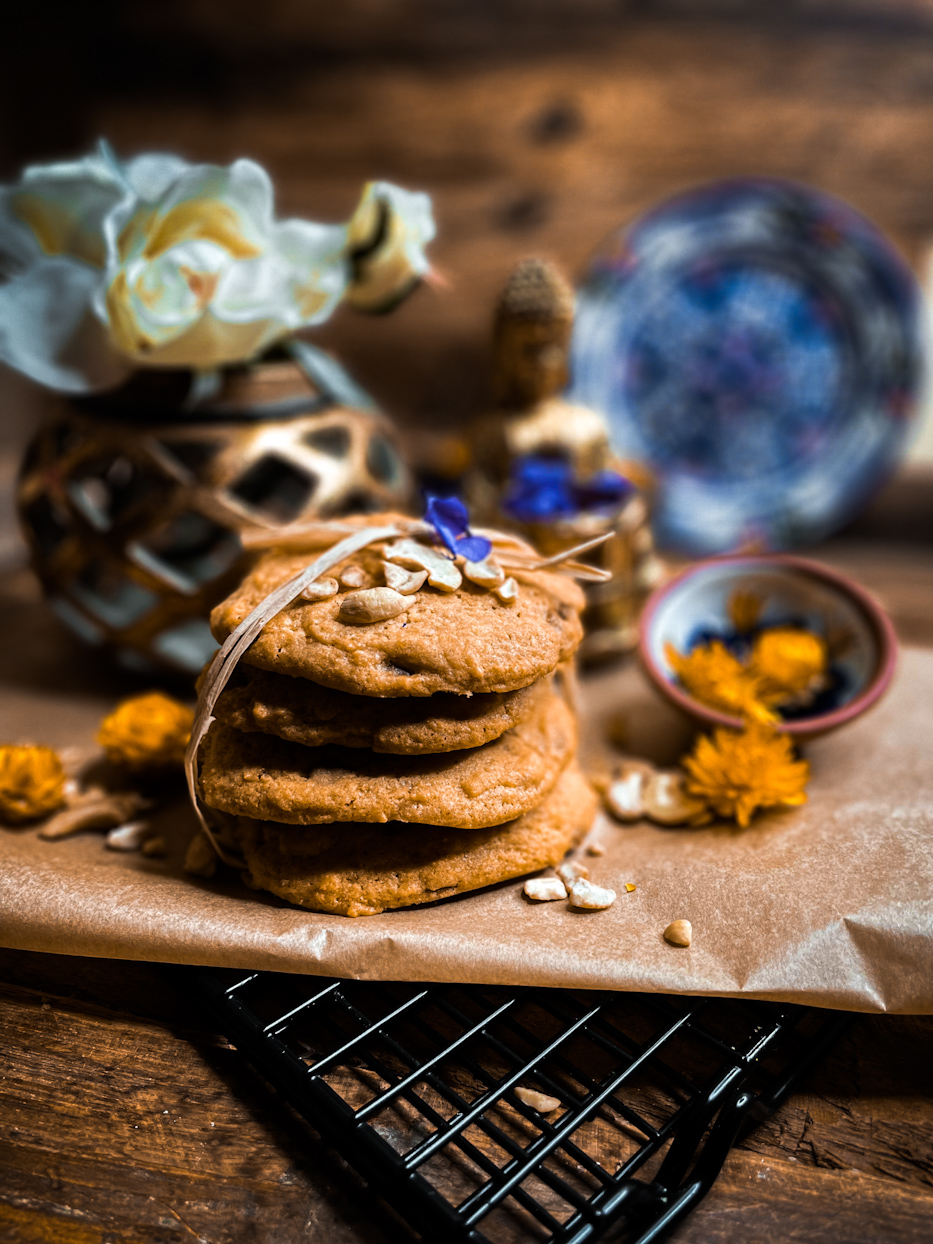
[[123, 1118]]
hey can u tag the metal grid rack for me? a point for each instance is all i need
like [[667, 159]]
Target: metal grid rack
[[414, 1087]]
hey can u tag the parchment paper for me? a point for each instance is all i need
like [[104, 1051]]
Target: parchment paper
[[829, 904]]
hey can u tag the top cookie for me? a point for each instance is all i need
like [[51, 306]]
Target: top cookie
[[463, 641]]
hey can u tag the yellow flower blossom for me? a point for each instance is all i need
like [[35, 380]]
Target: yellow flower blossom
[[744, 611], [738, 772], [787, 661], [712, 675], [147, 732], [32, 783]]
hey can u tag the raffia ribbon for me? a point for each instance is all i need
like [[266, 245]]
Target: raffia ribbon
[[515, 554]]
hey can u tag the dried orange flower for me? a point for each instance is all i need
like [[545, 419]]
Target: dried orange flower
[[147, 731], [737, 772], [715, 677], [744, 611], [32, 783], [787, 661]]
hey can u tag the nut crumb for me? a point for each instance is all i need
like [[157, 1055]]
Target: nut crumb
[[128, 837], [590, 897], [544, 889], [320, 589], [154, 846], [629, 886], [571, 871], [538, 1101], [596, 848], [354, 576], [625, 797], [679, 933], [667, 802]]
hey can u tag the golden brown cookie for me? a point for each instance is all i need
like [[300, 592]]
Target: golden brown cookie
[[264, 777], [377, 867], [307, 713], [465, 641]]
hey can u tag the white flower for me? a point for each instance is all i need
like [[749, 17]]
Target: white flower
[[386, 240], [162, 263]]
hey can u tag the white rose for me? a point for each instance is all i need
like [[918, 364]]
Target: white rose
[[162, 263]]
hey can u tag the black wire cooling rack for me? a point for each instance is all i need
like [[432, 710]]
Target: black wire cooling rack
[[414, 1086]]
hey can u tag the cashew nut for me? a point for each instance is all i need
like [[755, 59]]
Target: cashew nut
[[442, 573], [405, 581], [373, 604]]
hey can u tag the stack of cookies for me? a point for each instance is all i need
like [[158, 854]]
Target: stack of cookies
[[380, 746]]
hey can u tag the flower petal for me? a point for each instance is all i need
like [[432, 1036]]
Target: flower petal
[[48, 333], [386, 238]]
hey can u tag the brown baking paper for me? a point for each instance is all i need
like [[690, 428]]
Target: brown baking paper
[[829, 904]]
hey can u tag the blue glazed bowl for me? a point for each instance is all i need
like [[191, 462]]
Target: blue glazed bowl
[[757, 344]]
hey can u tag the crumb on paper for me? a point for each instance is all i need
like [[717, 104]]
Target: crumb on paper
[[590, 897], [679, 933], [595, 848], [630, 887], [154, 847], [128, 837], [544, 889], [570, 871], [667, 801], [541, 1102]]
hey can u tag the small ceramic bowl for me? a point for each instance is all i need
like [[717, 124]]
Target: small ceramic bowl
[[694, 608]]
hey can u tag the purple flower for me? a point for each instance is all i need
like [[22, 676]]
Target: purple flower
[[449, 518], [544, 489]]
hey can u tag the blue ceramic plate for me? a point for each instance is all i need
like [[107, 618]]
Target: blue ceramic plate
[[757, 344]]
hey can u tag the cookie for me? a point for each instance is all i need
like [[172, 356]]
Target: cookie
[[264, 777], [465, 641], [307, 713], [378, 867]]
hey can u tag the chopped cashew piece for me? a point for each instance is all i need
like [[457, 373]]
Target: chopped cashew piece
[[353, 576], [570, 871], [538, 1101], [94, 809], [200, 857], [404, 581], [128, 837], [544, 889], [592, 897], [320, 589], [667, 802], [372, 604], [442, 573], [486, 573], [507, 591], [626, 794], [679, 933]]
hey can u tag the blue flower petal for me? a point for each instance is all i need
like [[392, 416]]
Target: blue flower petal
[[474, 548]]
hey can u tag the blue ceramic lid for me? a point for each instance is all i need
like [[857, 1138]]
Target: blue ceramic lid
[[757, 344]]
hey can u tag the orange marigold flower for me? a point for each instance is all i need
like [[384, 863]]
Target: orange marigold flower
[[744, 611], [147, 731], [787, 661], [737, 772], [712, 675], [32, 783]]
